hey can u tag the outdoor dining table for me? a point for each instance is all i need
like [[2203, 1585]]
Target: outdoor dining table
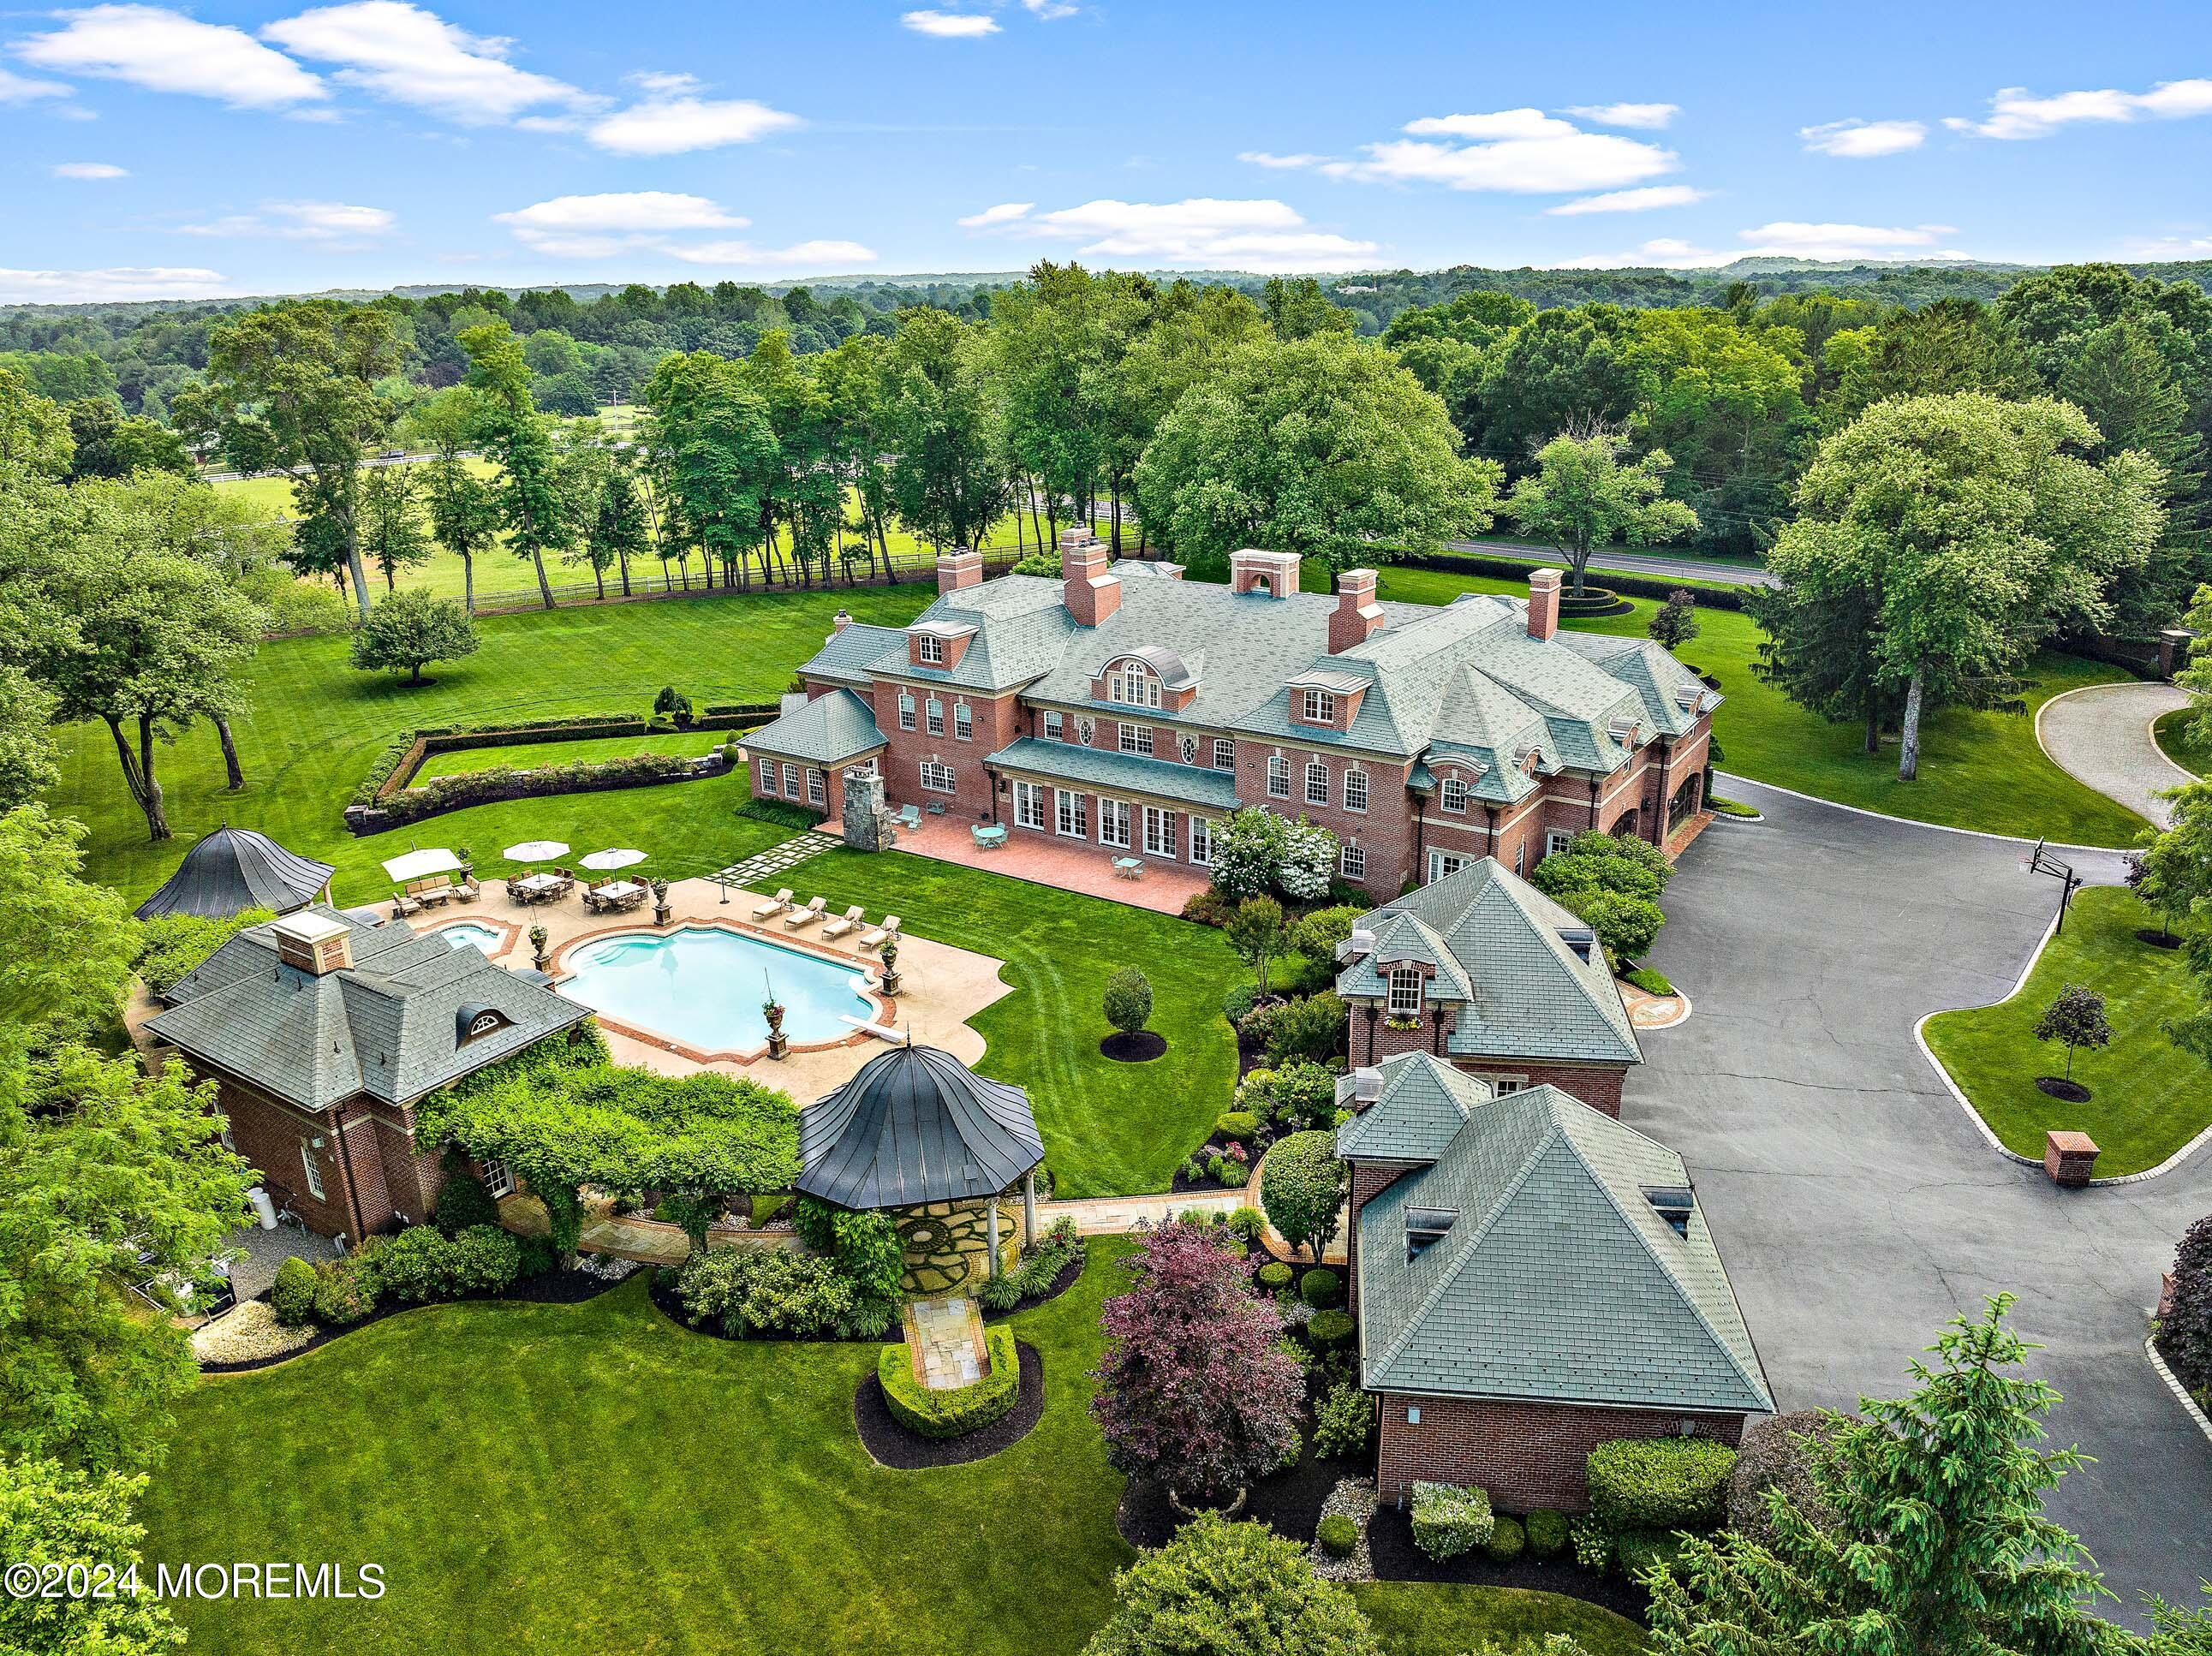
[[620, 891], [530, 887]]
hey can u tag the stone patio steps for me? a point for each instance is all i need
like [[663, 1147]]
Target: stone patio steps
[[775, 859]]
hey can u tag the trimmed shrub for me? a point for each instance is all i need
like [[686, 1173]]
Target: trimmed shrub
[[1650, 981], [464, 1201], [1593, 1544], [344, 1292], [962, 1410], [1237, 1126], [1274, 1275], [1343, 1422], [1237, 1004], [1317, 936], [1775, 1457], [422, 1264], [1127, 1001], [1297, 1096], [533, 1256], [292, 1297], [1310, 1031], [1337, 1535], [1247, 1223], [2184, 1333], [1664, 1483], [1449, 1520], [745, 1293], [1641, 1551], [1320, 1288], [1507, 1538], [1547, 1532], [1327, 1328], [1301, 1189], [1213, 907]]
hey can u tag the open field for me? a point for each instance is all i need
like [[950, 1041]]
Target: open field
[[537, 756]]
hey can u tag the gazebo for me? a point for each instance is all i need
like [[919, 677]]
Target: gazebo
[[916, 1132], [233, 869]]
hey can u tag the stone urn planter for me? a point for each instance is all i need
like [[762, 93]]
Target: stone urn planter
[[777, 1043], [660, 915], [537, 946], [891, 966]]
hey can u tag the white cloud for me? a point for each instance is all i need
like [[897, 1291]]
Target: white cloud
[[21, 89], [1524, 151], [1285, 163], [1257, 235], [1005, 213], [1857, 140], [399, 52], [950, 25], [1632, 201], [1666, 254], [1789, 238], [168, 51], [301, 220], [128, 281], [1651, 116], [89, 170], [2015, 114], [600, 226], [1050, 10], [673, 118], [799, 257]]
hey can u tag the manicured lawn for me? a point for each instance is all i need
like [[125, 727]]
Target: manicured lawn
[[1414, 1618], [2185, 736], [2148, 1097], [690, 744]]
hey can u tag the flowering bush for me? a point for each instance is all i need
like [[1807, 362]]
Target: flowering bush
[[1449, 1520]]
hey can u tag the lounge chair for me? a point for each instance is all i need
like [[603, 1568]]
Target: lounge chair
[[466, 891], [403, 906], [882, 934], [805, 916], [773, 907], [844, 923]]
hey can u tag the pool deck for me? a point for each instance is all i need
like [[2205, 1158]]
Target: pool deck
[[940, 987]]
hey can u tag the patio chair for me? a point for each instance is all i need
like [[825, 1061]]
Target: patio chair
[[1129, 868], [403, 905], [805, 916], [987, 839], [882, 934], [595, 897], [773, 907], [466, 890], [908, 817], [844, 923]]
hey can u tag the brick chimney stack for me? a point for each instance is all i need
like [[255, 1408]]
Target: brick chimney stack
[[962, 566], [1357, 616], [1274, 574], [1543, 603], [1089, 589], [843, 619]]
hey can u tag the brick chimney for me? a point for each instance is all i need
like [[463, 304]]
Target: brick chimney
[[1357, 616], [962, 566], [1274, 574], [1543, 603], [313, 942], [1089, 589], [842, 620]]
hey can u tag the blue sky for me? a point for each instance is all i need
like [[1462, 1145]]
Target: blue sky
[[237, 148]]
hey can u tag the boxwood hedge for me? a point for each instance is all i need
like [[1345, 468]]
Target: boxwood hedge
[[1660, 1483], [964, 1409]]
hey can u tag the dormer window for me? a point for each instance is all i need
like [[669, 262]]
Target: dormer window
[[1455, 794], [1132, 684], [1672, 1203], [1317, 707], [474, 1023], [1623, 731], [929, 649], [1405, 1000]]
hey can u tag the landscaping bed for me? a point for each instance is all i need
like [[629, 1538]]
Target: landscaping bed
[[890, 1443], [1391, 1543]]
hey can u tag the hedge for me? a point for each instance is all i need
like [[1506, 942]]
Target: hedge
[[396, 766], [1711, 595], [457, 792], [1660, 1483], [962, 1410], [1449, 1520], [1546, 1532]]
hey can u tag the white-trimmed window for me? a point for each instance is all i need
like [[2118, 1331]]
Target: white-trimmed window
[[499, 1180], [1452, 795], [1405, 993], [933, 712], [1442, 863], [1354, 863], [1520, 857], [928, 648], [1355, 789], [1317, 707], [963, 722], [1132, 684], [1278, 777], [906, 711], [1503, 1085], [1052, 724], [937, 776], [314, 1174], [817, 795], [1557, 840], [1136, 738], [1317, 782], [1201, 841], [1160, 833], [1029, 805], [790, 780], [1114, 822], [1072, 815], [1224, 753]]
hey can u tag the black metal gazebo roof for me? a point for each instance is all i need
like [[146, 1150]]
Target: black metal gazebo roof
[[916, 1126], [233, 869]]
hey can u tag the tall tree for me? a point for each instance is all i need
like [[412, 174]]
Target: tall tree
[[1585, 492], [713, 453], [28, 760], [393, 536], [65, 944], [808, 496], [1952, 345], [464, 512], [852, 379], [1561, 370], [34, 433], [291, 387], [55, 1516], [1297, 308], [947, 479], [112, 444], [534, 510]]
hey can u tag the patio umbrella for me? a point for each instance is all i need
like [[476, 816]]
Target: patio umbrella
[[536, 850], [414, 864], [605, 859]]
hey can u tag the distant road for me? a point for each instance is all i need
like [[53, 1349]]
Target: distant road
[[367, 460], [1634, 563]]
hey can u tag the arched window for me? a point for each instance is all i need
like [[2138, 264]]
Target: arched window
[[1132, 684]]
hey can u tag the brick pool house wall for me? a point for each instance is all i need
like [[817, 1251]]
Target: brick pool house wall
[[1529, 1456], [378, 1164]]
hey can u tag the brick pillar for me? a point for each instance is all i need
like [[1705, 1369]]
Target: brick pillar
[[2070, 1158], [1543, 603]]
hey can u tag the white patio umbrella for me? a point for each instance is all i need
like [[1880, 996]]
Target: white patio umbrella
[[606, 859], [537, 851], [414, 864]]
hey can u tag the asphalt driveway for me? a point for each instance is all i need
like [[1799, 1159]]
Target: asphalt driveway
[[1856, 1205], [2101, 735]]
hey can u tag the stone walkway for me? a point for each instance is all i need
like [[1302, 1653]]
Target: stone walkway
[[776, 859], [948, 1335], [2101, 736]]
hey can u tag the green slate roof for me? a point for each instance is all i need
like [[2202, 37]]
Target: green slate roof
[[848, 654], [1420, 1105], [1557, 1280], [828, 731], [1530, 996], [1128, 773]]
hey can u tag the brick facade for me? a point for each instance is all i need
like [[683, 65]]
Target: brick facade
[[373, 1177], [1372, 1039], [1528, 1456]]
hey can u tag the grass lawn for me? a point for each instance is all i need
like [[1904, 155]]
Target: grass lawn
[[2185, 736], [594, 1477], [2148, 1097], [537, 754]]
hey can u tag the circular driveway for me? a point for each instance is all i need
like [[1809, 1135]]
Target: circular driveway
[[1856, 1207], [2101, 735]]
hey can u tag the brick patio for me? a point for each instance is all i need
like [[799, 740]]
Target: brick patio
[[1064, 865]]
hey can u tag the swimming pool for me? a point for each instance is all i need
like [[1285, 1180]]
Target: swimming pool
[[702, 986], [463, 933]]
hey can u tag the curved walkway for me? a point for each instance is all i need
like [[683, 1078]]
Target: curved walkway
[[1856, 1207], [2101, 735]]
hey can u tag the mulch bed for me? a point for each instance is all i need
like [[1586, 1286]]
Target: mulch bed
[[1060, 1284], [2159, 939], [1139, 1047], [2072, 1092], [1289, 1502], [889, 1444], [1390, 1543]]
